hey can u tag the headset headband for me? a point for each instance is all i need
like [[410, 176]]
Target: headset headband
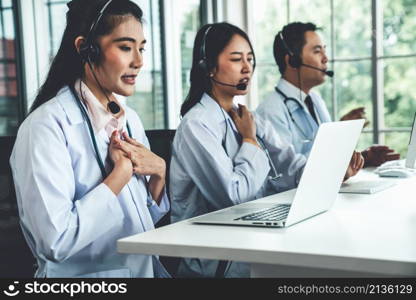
[[294, 59], [203, 62], [285, 44], [96, 22], [204, 39]]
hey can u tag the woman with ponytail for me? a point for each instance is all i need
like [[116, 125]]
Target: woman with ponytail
[[217, 160]]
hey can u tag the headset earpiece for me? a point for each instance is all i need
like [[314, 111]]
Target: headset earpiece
[[295, 61], [94, 53], [202, 64], [84, 51], [89, 52]]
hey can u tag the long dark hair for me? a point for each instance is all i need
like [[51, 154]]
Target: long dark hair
[[67, 65], [216, 39]]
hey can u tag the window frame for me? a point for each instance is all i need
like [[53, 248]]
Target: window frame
[[376, 59], [18, 60]]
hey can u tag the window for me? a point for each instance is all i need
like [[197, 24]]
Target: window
[[57, 21], [398, 61], [10, 95], [189, 24], [274, 16], [181, 22], [361, 54], [148, 101]]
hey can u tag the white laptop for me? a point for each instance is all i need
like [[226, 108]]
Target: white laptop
[[317, 190], [411, 150]]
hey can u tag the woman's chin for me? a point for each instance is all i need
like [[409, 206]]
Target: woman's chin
[[241, 93], [126, 92]]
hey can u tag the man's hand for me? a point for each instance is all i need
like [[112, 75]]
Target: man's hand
[[377, 155], [356, 114], [356, 164]]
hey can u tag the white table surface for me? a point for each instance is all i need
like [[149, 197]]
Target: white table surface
[[373, 234]]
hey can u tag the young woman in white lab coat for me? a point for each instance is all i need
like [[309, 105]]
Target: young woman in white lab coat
[[83, 173]]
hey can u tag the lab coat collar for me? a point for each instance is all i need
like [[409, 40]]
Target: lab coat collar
[[215, 113], [69, 105], [292, 91], [100, 117], [68, 102]]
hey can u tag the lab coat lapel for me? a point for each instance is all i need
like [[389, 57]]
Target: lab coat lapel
[[232, 143], [224, 124], [75, 117], [322, 112], [136, 186], [306, 122]]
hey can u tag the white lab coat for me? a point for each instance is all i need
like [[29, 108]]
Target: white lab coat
[[70, 219], [301, 135], [209, 172]]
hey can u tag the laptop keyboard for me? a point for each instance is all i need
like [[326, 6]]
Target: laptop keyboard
[[275, 213]]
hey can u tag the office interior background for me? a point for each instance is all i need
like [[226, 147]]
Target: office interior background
[[370, 44]]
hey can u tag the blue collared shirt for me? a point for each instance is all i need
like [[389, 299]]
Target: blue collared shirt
[[302, 131]]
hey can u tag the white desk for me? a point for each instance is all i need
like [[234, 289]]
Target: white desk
[[360, 236]]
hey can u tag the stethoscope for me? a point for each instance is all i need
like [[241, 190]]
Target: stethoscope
[[91, 132], [275, 176], [94, 143], [307, 139]]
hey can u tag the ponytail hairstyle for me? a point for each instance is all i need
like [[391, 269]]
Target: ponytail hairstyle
[[215, 37], [68, 65]]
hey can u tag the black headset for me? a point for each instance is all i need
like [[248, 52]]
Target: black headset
[[90, 50], [203, 63], [295, 61], [90, 53]]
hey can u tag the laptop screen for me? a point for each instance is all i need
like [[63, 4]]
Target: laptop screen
[[411, 150]]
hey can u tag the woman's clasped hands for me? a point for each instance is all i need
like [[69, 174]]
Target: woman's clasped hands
[[126, 151], [143, 161]]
